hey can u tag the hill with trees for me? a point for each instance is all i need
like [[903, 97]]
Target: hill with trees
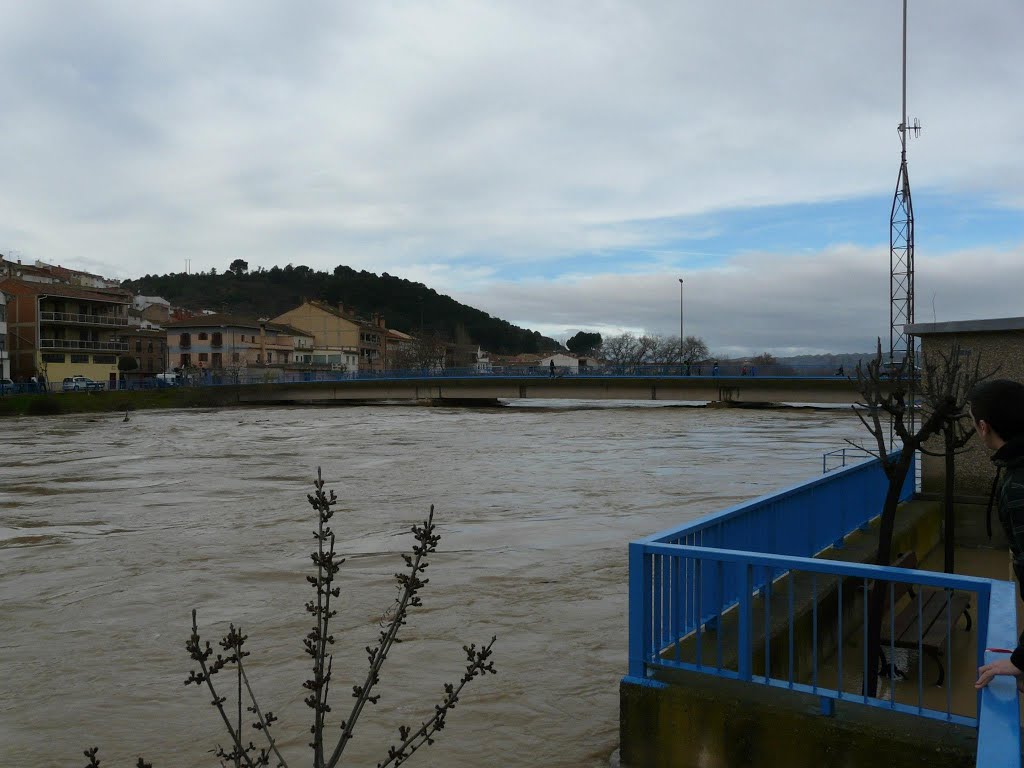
[[406, 306]]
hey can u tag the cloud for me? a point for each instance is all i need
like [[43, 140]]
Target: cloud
[[462, 140], [834, 300]]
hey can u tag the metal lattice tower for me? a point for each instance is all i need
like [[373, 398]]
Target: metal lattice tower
[[901, 243]]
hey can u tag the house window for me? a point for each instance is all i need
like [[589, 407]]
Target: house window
[[138, 345], [105, 359], [186, 361], [203, 337], [149, 365], [79, 358], [204, 357], [185, 341], [270, 357], [217, 361], [149, 347], [234, 357], [53, 357], [217, 340]]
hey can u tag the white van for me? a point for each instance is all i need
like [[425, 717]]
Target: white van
[[168, 380]]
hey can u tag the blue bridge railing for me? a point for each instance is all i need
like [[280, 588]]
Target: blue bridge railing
[[740, 594], [276, 375]]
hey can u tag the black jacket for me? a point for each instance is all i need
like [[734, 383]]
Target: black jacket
[[1010, 496]]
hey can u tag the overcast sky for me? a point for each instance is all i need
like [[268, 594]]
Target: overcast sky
[[558, 164]]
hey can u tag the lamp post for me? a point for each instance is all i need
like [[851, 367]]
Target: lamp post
[[681, 337]]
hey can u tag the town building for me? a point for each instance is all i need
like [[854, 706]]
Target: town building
[[5, 361], [151, 310], [26, 272], [566, 362], [220, 342], [338, 334], [146, 355], [57, 330]]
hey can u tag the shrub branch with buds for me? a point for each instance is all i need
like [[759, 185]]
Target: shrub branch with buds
[[317, 644]]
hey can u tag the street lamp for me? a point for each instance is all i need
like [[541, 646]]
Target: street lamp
[[681, 337]]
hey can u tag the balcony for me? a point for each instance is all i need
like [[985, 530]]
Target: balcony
[[79, 319], [100, 346]]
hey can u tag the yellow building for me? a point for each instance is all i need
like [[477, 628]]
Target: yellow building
[[335, 330]]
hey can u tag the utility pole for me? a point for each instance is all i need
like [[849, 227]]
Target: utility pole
[[682, 338], [901, 250], [901, 241]]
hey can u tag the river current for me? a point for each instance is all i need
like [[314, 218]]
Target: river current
[[112, 531]]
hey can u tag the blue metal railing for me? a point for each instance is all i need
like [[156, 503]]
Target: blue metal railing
[[801, 520], [272, 375], [739, 594], [841, 457]]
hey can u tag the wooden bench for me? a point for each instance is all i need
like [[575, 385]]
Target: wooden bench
[[929, 624]]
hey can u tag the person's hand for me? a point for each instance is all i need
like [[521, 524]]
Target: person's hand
[[993, 668]]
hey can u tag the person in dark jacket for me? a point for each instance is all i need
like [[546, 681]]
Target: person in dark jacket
[[997, 408]]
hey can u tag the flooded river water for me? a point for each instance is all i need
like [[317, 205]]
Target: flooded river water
[[112, 531]]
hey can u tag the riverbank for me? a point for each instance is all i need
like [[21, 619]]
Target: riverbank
[[116, 401]]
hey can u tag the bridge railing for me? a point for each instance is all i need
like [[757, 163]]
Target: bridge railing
[[277, 375], [740, 595], [514, 372]]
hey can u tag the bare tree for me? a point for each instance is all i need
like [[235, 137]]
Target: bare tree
[[425, 352], [885, 409], [948, 375], [317, 644], [628, 349], [694, 349]]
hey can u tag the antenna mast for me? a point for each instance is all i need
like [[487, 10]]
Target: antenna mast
[[901, 243]]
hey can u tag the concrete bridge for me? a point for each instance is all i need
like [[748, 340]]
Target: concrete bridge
[[484, 389]]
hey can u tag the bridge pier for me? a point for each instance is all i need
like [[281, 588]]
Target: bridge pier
[[461, 402]]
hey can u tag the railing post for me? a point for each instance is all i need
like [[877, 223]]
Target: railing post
[[999, 740], [745, 648], [640, 579]]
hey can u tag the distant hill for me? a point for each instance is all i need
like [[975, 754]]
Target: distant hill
[[848, 360], [405, 305]]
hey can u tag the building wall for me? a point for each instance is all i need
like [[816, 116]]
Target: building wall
[[5, 362], [561, 361], [328, 329], [21, 336], [149, 348], [1002, 350]]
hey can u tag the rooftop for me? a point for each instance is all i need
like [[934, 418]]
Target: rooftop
[[967, 326]]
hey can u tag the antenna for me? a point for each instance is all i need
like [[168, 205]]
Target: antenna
[[901, 246], [901, 238]]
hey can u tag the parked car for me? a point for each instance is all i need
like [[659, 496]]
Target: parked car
[[81, 383], [6, 386], [168, 380]]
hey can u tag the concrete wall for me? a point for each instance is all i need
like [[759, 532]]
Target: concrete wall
[[703, 722], [999, 350]]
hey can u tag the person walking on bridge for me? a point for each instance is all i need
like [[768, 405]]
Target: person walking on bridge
[[997, 408]]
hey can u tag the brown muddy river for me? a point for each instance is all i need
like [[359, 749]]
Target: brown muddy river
[[111, 532]]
